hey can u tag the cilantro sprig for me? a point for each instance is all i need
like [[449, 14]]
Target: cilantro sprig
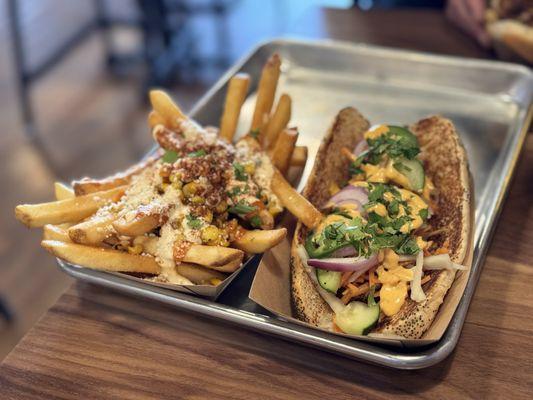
[[240, 173], [397, 143], [193, 221], [197, 153], [242, 208], [170, 156]]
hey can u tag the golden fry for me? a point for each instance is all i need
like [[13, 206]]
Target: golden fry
[[93, 231], [212, 256], [68, 210], [237, 90], [282, 152], [278, 122], [166, 108], [100, 258], [197, 274], [299, 156], [88, 185], [154, 118], [298, 205], [229, 267], [63, 191], [259, 241], [139, 225], [55, 232], [266, 92]]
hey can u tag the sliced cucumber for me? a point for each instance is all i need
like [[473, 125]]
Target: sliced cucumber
[[358, 318], [413, 171], [329, 280], [405, 136]]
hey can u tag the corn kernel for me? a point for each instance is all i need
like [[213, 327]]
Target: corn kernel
[[175, 177], [208, 216], [177, 185], [165, 186], [223, 242], [190, 189], [249, 168], [198, 200], [135, 249], [210, 234], [221, 207], [215, 281]]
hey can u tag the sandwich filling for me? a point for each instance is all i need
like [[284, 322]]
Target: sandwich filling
[[373, 248]]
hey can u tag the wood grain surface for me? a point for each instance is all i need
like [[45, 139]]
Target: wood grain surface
[[97, 344]]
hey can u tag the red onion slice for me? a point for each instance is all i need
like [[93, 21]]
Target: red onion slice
[[361, 146], [347, 251], [350, 194], [344, 264]]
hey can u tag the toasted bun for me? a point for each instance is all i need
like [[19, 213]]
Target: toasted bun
[[446, 163], [330, 167]]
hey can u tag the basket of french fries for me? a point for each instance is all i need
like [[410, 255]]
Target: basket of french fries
[[192, 213]]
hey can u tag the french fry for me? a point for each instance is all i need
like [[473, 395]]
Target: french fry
[[197, 274], [212, 256], [282, 152], [229, 267], [142, 223], [62, 191], [166, 108], [266, 92], [56, 232], [259, 241], [93, 231], [299, 156], [88, 185], [68, 210], [101, 258], [298, 205], [154, 118], [237, 90], [278, 122]]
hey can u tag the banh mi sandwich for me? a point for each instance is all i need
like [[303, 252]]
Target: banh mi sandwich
[[394, 229], [194, 212]]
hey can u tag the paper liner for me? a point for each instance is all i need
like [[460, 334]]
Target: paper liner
[[271, 289]]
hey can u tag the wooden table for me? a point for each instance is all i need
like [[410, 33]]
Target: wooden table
[[95, 343]]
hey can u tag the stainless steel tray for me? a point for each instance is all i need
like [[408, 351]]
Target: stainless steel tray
[[490, 103]]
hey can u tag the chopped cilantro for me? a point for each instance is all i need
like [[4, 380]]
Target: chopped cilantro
[[255, 221], [423, 213], [396, 143], [254, 133], [170, 156], [408, 246], [193, 221], [240, 173], [339, 211], [376, 191], [242, 208], [235, 191], [393, 208], [197, 153], [354, 169]]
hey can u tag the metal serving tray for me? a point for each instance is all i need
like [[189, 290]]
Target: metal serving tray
[[490, 103]]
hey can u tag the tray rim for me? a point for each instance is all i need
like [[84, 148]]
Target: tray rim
[[375, 354]]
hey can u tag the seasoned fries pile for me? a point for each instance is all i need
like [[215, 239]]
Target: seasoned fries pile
[[191, 213]]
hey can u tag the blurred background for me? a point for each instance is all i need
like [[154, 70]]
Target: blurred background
[[73, 82]]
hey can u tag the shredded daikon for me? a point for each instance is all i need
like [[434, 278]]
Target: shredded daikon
[[417, 293], [441, 261]]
